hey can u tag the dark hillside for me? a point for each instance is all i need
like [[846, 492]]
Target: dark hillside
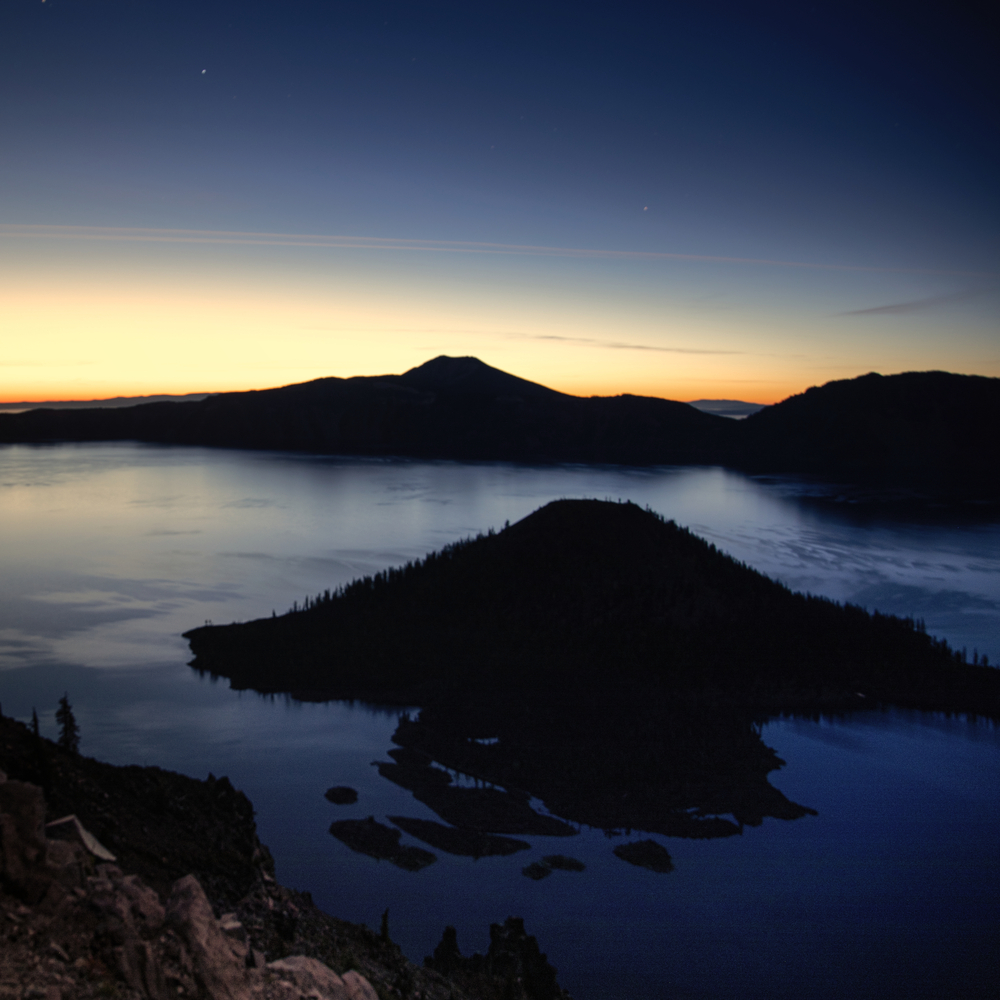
[[932, 430], [455, 408], [593, 605]]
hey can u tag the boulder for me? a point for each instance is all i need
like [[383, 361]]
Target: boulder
[[132, 917], [358, 988], [219, 961], [311, 976], [128, 898], [22, 840]]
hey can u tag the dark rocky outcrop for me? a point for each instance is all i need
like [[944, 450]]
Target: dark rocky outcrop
[[679, 773], [73, 927], [158, 824], [513, 957], [476, 810]]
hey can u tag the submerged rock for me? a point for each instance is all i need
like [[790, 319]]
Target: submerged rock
[[645, 854], [490, 810], [470, 843], [537, 871], [563, 863], [367, 836], [341, 795]]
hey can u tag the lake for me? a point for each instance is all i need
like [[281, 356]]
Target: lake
[[109, 552]]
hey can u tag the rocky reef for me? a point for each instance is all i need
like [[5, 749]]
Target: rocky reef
[[90, 907]]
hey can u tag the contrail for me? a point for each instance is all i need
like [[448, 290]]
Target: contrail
[[112, 234]]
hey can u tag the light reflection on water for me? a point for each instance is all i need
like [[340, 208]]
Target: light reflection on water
[[109, 552]]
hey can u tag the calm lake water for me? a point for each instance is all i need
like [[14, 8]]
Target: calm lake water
[[109, 552]]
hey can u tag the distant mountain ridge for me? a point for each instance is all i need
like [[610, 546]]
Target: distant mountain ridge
[[452, 408], [737, 408], [115, 402], [929, 430]]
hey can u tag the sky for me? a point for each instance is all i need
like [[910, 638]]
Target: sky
[[699, 200]]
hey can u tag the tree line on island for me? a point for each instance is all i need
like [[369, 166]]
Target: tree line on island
[[592, 605]]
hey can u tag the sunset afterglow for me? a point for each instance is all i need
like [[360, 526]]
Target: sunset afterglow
[[255, 201]]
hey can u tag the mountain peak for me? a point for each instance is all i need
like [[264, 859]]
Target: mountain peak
[[469, 374]]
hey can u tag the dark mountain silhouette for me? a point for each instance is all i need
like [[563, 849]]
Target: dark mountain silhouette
[[457, 408], [590, 603], [930, 430]]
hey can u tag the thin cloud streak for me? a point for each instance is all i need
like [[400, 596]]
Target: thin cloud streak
[[519, 335], [198, 236], [916, 305], [619, 346]]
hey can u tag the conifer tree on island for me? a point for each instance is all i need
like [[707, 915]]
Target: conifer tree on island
[[69, 731]]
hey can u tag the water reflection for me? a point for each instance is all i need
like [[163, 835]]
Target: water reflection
[[111, 551], [685, 774]]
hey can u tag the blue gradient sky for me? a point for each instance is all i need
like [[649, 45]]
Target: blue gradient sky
[[859, 139]]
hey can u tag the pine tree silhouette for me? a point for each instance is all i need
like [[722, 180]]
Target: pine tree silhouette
[[69, 731]]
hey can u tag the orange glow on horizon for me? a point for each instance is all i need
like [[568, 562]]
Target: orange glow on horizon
[[174, 321], [83, 340], [70, 391]]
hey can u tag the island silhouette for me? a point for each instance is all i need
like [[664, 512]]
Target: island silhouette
[[930, 430], [593, 657], [591, 602]]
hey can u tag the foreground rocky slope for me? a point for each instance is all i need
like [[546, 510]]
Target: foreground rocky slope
[[74, 924]]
